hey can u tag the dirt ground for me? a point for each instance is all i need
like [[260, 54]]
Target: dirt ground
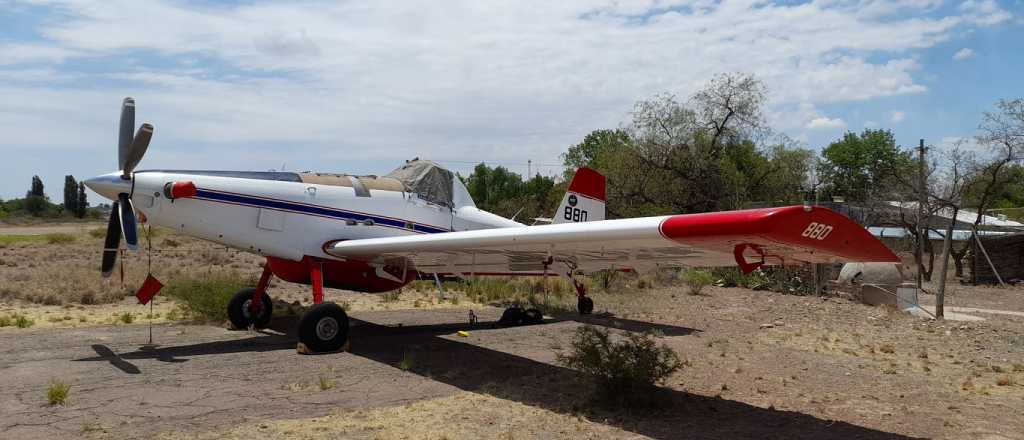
[[758, 365]]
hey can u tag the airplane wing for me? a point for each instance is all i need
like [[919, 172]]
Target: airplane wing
[[749, 238]]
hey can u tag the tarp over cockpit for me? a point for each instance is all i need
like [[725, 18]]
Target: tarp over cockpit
[[427, 179]]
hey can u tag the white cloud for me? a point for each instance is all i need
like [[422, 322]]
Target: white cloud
[[897, 116], [963, 54], [964, 143], [824, 123], [342, 82], [29, 53], [985, 12]]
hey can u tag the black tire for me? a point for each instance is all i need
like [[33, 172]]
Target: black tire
[[511, 316], [532, 316], [585, 305], [324, 328], [241, 316]]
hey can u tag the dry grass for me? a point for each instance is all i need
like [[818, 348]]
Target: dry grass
[[63, 268], [57, 393], [325, 383], [464, 415], [59, 238]]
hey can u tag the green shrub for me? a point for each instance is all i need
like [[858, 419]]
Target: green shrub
[[59, 238], [5, 321], [57, 393], [8, 240], [391, 296], [174, 314], [98, 232], [126, 318], [627, 371], [22, 321], [207, 298], [697, 280], [406, 363], [782, 279]]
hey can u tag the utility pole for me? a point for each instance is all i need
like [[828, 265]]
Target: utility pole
[[922, 200]]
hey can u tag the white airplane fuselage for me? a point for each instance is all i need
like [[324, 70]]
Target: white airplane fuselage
[[289, 221]]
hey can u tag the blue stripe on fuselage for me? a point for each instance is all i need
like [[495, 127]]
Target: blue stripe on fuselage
[[322, 211]]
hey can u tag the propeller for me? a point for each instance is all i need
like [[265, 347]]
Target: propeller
[[131, 147]]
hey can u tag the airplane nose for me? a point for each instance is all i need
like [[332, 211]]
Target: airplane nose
[[109, 185]]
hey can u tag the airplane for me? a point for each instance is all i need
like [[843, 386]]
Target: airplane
[[377, 233]]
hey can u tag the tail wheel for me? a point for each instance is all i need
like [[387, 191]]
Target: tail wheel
[[324, 328], [241, 313], [585, 305]]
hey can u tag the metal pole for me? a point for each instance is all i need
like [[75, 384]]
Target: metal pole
[[947, 243], [989, 260], [922, 200]]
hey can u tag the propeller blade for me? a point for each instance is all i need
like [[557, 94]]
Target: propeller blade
[[126, 133], [138, 148], [128, 225], [111, 242]]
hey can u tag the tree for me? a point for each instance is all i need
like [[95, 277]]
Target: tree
[[82, 204], [595, 146], [35, 198], [70, 194], [705, 154], [505, 193], [862, 168], [37, 187], [1002, 133]]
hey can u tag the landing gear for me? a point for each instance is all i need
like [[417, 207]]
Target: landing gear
[[532, 316], [244, 312], [584, 304], [515, 315], [324, 328], [252, 307]]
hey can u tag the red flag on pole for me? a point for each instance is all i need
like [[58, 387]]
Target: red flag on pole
[[149, 289]]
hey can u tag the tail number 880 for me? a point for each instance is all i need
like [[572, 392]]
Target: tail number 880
[[817, 231], [574, 214]]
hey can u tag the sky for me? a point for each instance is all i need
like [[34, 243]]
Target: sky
[[358, 87]]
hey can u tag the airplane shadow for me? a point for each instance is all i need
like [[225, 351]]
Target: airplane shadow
[[521, 379]]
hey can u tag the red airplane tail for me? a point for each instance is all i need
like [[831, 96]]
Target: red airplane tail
[[585, 199]]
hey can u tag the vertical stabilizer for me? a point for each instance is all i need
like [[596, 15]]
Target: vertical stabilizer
[[585, 199]]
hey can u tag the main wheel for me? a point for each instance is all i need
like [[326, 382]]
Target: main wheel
[[240, 311], [511, 316], [324, 328], [532, 316], [585, 305]]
